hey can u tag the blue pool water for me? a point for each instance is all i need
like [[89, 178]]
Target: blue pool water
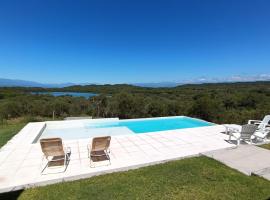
[[83, 129], [153, 125]]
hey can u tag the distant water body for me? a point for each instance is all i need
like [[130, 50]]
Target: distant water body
[[73, 94]]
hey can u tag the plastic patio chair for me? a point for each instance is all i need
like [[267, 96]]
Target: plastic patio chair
[[261, 124], [244, 134]]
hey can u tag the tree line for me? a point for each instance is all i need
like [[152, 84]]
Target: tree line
[[219, 103]]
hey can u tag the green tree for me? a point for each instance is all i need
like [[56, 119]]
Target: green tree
[[206, 108]]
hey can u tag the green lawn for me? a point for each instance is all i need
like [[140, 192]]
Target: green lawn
[[266, 146], [7, 131], [13, 126], [192, 178]]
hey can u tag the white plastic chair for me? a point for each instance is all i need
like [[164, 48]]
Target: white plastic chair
[[244, 134], [261, 124]]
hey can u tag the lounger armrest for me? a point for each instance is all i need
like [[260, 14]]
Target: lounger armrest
[[230, 129], [235, 131], [232, 134], [89, 147], [264, 126], [252, 121], [267, 129], [67, 149]]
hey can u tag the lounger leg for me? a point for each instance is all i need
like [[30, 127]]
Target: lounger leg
[[45, 167], [92, 165], [88, 151], [65, 162], [109, 160], [108, 156]]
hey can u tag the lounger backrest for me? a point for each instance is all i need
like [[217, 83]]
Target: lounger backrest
[[52, 146], [248, 130], [101, 143], [265, 121]]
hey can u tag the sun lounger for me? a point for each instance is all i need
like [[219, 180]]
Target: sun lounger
[[99, 150], [261, 124], [263, 127], [55, 153], [261, 134]]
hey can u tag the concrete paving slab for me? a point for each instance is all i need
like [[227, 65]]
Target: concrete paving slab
[[21, 159], [248, 159]]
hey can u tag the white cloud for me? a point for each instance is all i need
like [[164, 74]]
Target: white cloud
[[233, 78]]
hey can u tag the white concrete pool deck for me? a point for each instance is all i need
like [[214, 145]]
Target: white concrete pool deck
[[21, 161]]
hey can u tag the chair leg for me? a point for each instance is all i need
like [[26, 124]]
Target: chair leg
[[108, 156], [92, 165], [88, 151], [66, 159], [44, 167]]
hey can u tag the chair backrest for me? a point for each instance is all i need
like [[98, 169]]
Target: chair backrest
[[248, 130], [101, 143], [52, 146], [265, 121]]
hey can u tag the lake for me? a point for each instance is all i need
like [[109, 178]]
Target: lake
[[73, 94]]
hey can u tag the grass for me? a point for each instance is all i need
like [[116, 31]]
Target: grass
[[7, 131], [11, 127], [192, 178], [265, 146]]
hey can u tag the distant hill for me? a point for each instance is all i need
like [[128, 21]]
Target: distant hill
[[22, 83], [157, 85]]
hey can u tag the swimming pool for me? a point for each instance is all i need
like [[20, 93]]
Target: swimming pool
[[80, 129], [153, 125]]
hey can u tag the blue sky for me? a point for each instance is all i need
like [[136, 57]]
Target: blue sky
[[101, 41]]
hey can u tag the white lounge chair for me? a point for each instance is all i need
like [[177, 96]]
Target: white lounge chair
[[244, 134], [261, 124], [261, 134]]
